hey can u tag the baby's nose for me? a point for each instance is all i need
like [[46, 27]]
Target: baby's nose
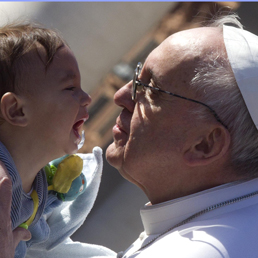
[[85, 99]]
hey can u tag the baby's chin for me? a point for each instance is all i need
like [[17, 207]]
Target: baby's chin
[[72, 149], [78, 141]]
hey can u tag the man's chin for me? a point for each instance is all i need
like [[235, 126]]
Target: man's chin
[[114, 155]]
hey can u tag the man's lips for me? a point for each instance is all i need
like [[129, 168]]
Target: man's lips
[[122, 123], [122, 126], [117, 128]]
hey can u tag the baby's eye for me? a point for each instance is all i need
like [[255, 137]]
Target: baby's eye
[[72, 88]]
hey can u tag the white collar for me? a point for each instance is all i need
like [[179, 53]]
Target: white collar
[[158, 218]]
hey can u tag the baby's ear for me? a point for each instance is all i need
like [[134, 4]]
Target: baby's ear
[[12, 109]]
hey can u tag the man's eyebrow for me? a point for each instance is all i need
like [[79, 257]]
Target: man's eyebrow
[[154, 79]]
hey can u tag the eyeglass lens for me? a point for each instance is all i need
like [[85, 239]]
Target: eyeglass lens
[[135, 79]]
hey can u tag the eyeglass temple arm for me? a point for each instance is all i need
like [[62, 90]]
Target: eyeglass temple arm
[[138, 82]]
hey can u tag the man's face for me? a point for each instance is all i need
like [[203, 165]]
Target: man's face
[[152, 135], [56, 104]]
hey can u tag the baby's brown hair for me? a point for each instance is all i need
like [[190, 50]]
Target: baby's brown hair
[[17, 42]]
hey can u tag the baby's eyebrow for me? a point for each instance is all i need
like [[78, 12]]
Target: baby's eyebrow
[[67, 75]]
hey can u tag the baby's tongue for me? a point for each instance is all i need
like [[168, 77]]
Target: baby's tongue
[[76, 131]]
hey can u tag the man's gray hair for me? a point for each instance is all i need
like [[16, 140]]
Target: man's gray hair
[[215, 85]]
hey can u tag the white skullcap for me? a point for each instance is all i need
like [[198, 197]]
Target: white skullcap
[[242, 51]]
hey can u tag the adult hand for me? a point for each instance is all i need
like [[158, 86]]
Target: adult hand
[[8, 239]]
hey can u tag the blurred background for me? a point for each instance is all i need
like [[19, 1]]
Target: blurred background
[[108, 39]]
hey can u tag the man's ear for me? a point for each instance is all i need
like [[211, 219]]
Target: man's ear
[[208, 148], [12, 109]]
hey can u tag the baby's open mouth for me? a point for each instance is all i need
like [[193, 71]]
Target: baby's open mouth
[[77, 127]]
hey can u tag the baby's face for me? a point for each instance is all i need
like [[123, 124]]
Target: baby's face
[[57, 105]]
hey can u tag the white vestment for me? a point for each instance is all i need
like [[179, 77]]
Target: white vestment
[[228, 231]]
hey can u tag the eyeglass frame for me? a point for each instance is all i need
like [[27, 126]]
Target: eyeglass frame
[[137, 82]]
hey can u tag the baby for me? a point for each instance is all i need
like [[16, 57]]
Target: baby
[[43, 109]]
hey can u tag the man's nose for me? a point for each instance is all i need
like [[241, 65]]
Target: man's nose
[[123, 97]]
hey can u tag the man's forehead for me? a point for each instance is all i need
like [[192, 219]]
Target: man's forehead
[[174, 61], [192, 40], [187, 45], [201, 33]]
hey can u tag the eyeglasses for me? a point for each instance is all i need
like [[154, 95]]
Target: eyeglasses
[[137, 83]]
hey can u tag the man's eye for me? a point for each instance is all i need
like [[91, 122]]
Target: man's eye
[[153, 90]]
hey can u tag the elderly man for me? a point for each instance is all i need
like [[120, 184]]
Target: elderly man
[[187, 137]]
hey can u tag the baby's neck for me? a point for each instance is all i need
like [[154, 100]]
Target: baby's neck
[[27, 167], [27, 158]]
